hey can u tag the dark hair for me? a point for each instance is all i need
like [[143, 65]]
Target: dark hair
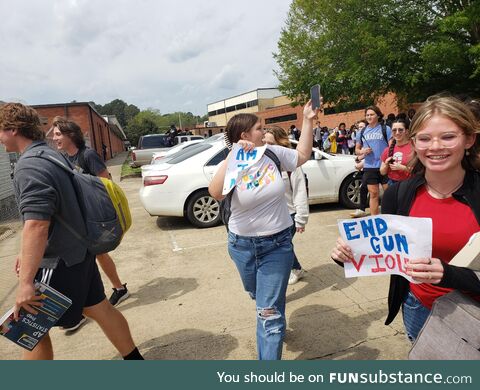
[[377, 111], [292, 127], [24, 119], [342, 123], [393, 142], [71, 130], [239, 124]]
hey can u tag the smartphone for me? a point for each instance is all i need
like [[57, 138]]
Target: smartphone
[[315, 96]]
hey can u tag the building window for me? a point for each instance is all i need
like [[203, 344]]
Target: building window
[[252, 103], [283, 118], [241, 106]]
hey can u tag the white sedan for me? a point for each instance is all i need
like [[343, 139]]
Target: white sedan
[[179, 187]]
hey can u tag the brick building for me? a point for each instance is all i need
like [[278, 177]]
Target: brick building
[[285, 115], [98, 130], [275, 109]]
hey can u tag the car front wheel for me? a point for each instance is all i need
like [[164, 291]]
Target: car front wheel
[[202, 210], [350, 191]]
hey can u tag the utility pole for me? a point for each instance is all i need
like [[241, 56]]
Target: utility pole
[[180, 120]]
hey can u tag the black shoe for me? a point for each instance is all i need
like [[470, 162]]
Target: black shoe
[[119, 295], [74, 327]]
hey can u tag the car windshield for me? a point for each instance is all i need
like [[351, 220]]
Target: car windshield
[[157, 141], [189, 152]]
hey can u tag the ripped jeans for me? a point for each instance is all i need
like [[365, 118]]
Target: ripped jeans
[[264, 264]]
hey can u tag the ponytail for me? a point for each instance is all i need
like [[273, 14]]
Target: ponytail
[[391, 147]]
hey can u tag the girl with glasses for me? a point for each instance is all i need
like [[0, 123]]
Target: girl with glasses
[[395, 158], [444, 186]]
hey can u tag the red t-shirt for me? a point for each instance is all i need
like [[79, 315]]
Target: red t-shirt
[[453, 225], [401, 154]]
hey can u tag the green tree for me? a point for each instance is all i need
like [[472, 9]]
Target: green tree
[[123, 111], [145, 122], [361, 49]]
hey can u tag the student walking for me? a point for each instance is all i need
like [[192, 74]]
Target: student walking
[[50, 253], [70, 140], [296, 195], [444, 186], [371, 142], [259, 228], [359, 164]]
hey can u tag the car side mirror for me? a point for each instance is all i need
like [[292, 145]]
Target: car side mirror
[[317, 156]]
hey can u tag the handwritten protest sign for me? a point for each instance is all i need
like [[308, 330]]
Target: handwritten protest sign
[[383, 244], [239, 162]]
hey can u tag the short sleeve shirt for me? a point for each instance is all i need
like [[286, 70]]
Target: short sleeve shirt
[[93, 162], [402, 155], [259, 206], [373, 138]]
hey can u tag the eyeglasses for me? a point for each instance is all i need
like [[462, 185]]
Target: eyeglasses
[[446, 140], [398, 130]]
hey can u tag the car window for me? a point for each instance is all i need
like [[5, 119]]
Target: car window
[[190, 152], [159, 141], [214, 138], [195, 138], [218, 158]]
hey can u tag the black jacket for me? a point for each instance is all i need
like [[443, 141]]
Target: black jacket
[[398, 199]]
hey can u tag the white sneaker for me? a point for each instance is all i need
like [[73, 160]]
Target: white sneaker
[[296, 275], [358, 214]]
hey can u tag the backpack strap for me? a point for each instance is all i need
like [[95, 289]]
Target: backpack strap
[[271, 154], [71, 172], [290, 179], [54, 160], [226, 203], [384, 132]]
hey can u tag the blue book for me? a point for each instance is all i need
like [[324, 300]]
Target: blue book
[[30, 328]]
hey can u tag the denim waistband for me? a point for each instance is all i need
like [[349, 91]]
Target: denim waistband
[[256, 238]]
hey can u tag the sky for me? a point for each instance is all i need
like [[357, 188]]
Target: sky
[[167, 55]]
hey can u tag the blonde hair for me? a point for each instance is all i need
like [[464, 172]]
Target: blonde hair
[[280, 135], [459, 113]]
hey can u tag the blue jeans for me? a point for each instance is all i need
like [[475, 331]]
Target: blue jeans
[[264, 264], [414, 316]]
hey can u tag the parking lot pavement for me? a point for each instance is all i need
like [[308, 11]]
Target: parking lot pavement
[[187, 301]]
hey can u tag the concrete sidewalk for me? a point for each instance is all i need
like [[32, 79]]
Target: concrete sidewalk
[[114, 165]]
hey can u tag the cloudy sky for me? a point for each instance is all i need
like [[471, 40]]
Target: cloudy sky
[[169, 55]]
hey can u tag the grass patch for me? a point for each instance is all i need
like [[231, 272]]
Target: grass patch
[[128, 171]]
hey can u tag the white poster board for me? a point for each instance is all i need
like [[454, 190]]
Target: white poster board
[[383, 244], [239, 162]]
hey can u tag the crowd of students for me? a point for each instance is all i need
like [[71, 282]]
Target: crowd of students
[[429, 166]]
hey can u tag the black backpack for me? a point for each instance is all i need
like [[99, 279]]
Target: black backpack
[[226, 203]]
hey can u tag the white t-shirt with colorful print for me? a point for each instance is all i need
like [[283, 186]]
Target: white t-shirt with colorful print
[[259, 207]]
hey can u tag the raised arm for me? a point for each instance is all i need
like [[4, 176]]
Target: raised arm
[[305, 143]]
